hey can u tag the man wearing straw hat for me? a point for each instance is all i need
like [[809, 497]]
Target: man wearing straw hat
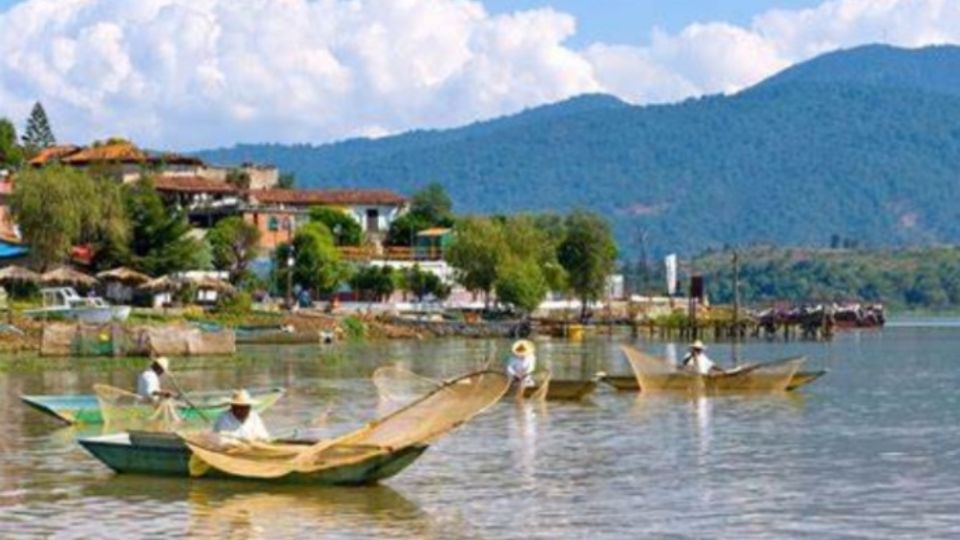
[[148, 385], [240, 421], [698, 362], [522, 362]]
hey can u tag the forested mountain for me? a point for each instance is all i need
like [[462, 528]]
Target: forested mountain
[[862, 145]]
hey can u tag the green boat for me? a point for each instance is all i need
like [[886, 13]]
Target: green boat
[[166, 454], [85, 409]]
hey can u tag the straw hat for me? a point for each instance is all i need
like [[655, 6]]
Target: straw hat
[[523, 347], [242, 398], [698, 345], [163, 362]]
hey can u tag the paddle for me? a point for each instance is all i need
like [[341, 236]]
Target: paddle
[[186, 398]]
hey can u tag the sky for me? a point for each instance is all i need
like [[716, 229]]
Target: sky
[[188, 74]]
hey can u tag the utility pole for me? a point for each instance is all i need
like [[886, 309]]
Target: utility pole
[[736, 291]]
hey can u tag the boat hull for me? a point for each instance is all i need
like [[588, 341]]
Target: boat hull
[[171, 457], [564, 390], [628, 383], [654, 375], [85, 409]]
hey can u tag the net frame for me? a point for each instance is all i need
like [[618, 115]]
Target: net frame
[[420, 422], [657, 375]]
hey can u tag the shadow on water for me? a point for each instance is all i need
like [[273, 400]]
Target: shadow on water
[[239, 509]]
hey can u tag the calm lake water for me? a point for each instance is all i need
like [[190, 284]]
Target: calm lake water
[[870, 450]]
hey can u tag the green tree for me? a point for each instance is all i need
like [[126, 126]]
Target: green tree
[[110, 237], [234, 244], [54, 206], [346, 231], [160, 241], [521, 283], [38, 133], [11, 155], [374, 283], [421, 283], [475, 253], [429, 207], [317, 263], [538, 238], [588, 254], [434, 204]]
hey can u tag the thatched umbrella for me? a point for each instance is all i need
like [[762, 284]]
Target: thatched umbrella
[[124, 275], [214, 284], [67, 276], [18, 274], [162, 284]]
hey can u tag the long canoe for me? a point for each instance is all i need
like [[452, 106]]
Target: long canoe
[[628, 383], [85, 409], [656, 375], [166, 454]]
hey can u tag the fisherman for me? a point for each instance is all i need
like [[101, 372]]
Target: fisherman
[[240, 421], [522, 362], [697, 361], [148, 385]]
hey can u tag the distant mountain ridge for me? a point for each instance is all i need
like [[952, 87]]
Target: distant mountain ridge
[[863, 144]]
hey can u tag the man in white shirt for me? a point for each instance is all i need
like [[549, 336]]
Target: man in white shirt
[[148, 385], [698, 362], [522, 362], [240, 421]]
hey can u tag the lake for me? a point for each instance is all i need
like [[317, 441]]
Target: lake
[[871, 449]]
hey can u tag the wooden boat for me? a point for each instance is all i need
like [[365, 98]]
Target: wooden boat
[[567, 390], [85, 409], [628, 383], [656, 375], [166, 454]]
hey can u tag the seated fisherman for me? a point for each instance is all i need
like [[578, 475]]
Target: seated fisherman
[[148, 385], [522, 362], [240, 421], [698, 362]]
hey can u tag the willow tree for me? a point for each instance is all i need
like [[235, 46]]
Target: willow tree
[[54, 207]]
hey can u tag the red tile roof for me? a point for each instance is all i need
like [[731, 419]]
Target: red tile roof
[[192, 184], [332, 197], [52, 153]]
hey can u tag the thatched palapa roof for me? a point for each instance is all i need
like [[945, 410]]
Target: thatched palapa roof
[[67, 276], [18, 273], [214, 284], [162, 284], [124, 275]]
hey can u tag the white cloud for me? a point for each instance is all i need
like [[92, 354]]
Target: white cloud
[[190, 73]]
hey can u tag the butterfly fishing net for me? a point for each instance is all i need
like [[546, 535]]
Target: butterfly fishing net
[[120, 407], [657, 375], [441, 410], [397, 386]]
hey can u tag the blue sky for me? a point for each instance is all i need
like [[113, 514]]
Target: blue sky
[[631, 21], [187, 74]]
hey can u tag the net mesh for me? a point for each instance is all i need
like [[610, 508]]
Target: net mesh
[[398, 386], [441, 410], [120, 407], [123, 408], [657, 375]]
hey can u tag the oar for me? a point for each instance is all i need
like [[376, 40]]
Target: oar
[[186, 398]]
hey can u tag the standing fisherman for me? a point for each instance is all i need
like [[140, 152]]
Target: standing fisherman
[[697, 360]]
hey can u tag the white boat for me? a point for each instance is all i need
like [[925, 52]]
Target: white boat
[[64, 303]]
